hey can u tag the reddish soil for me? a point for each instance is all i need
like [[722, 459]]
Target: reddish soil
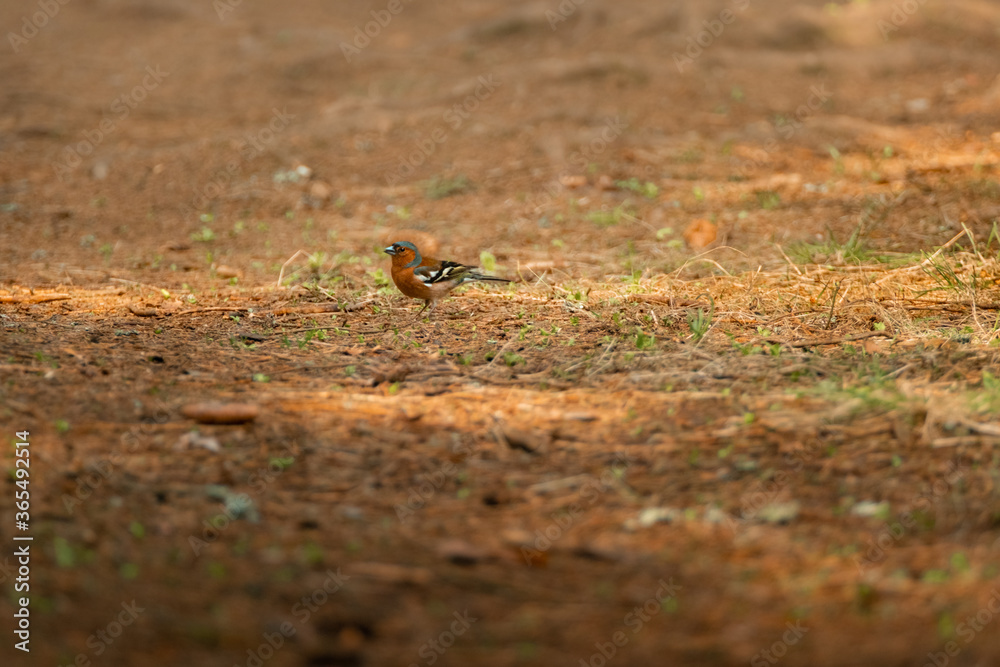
[[777, 447]]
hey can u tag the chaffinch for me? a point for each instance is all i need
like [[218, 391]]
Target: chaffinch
[[426, 278]]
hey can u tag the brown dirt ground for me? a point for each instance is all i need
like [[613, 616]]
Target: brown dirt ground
[[540, 457]]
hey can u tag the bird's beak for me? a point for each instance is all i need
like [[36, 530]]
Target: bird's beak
[[389, 251]]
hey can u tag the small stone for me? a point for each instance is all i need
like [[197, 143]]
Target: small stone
[[605, 182], [221, 413], [320, 190], [461, 552], [572, 182], [869, 508], [226, 272], [778, 512], [700, 233]]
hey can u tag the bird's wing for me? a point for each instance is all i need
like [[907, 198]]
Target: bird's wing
[[442, 272]]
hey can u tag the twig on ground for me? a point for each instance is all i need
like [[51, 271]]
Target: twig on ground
[[34, 298], [831, 341]]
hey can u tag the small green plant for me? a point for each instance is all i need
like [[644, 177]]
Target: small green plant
[[312, 553], [315, 262], [948, 279], [647, 189], [512, 359], [935, 576], [281, 462], [700, 321], [690, 156], [644, 341], [487, 261], [41, 357], [743, 348], [991, 383], [309, 335], [838, 160], [440, 187], [831, 251], [988, 398], [381, 280], [203, 235], [768, 199], [65, 556], [605, 218]]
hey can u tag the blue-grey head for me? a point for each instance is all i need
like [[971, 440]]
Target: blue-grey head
[[401, 248]]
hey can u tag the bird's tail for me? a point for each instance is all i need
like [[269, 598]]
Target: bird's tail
[[471, 275]]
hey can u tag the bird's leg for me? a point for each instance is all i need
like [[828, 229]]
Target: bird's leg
[[426, 303]]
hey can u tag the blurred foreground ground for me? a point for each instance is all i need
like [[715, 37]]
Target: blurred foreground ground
[[779, 448]]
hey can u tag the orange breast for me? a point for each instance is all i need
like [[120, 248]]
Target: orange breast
[[408, 284]]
